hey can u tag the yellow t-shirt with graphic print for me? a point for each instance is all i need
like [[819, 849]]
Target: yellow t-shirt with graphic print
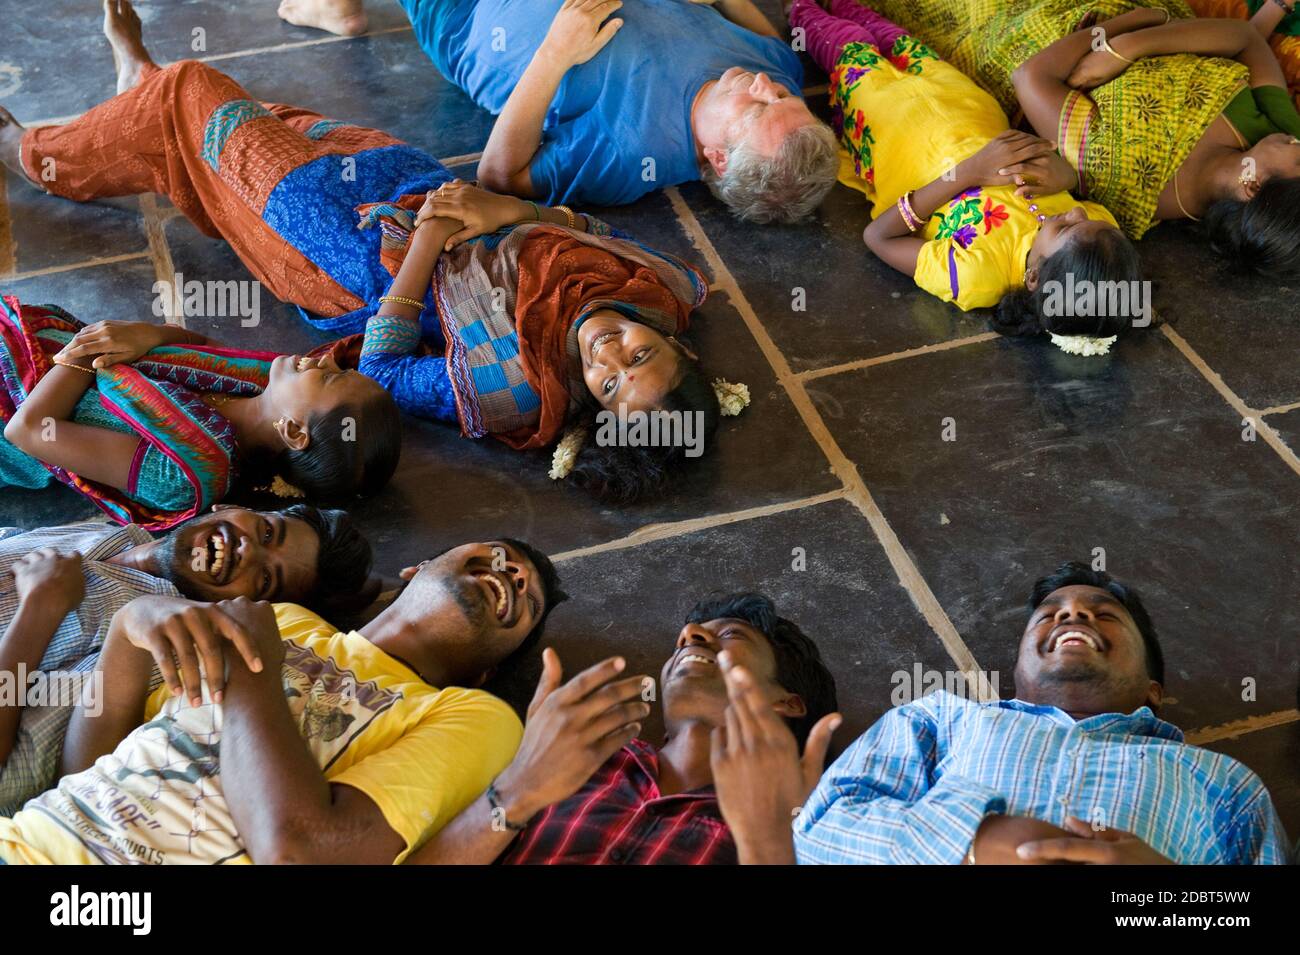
[[421, 754], [908, 118]]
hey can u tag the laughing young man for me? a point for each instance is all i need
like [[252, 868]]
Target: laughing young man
[[61, 586], [1077, 768], [583, 789], [319, 746]]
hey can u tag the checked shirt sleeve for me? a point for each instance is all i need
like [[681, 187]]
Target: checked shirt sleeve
[[880, 802]]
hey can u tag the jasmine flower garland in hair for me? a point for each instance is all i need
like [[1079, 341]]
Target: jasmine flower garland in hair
[[566, 452], [1085, 345], [733, 398]]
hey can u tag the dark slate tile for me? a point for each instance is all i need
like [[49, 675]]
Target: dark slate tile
[[633, 602], [1288, 426], [855, 305], [58, 63], [385, 82], [1055, 456], [121, 291], [279, 327], [48, 231], [457, 489], [1241, 327], [1274, 754]]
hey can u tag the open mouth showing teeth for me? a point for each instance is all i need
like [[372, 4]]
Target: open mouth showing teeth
[[303, 364], [502, 593], [217, 556], [692, 658], [1076, 638]]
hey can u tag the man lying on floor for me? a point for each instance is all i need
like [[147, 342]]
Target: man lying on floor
[[602, 101], [1077, 768], [584, 789], [61, 586], [321, 747]]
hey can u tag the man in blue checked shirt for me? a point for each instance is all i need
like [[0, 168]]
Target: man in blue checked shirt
[[1076, 769], [61, 586]]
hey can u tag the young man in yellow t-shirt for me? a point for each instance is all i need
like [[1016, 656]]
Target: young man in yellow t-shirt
[[321, 747]]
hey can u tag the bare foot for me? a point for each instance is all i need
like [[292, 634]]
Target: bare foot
[[126, 36], [343, 17], [11, 134]]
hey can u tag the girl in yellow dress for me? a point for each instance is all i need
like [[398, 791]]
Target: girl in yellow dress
[[979, 214]]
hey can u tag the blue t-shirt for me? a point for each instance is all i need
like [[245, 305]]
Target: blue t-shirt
[[619, 126]]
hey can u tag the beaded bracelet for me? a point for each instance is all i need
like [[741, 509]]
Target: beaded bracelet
[[402, 300], [71, 364], [494, 803]]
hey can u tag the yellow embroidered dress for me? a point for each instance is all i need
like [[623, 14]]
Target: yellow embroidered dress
[[907, 119]]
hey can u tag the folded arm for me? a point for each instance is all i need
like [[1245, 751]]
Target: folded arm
[[743, 13], [1042, 82], [578, 32], [1231, 39]]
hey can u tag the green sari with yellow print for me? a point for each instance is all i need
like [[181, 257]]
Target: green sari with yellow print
[[1126, 138]]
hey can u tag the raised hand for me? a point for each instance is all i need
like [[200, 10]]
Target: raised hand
[[758, 772], [570, 731], [577, 33]]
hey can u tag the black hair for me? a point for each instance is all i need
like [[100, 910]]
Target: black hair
[[343, 581], [1074, 573], [799, 665], [620, 474], [332, 469], [1108, 256], [1260, 237], [553, 596]]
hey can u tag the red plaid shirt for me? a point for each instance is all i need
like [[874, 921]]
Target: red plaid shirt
[[620, 818]]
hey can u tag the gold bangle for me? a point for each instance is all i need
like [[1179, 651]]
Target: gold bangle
[[72, 364], [568, 214], [402, 300], [1105, 44]]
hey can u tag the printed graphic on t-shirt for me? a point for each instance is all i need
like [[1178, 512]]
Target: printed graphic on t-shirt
[[158, 797]]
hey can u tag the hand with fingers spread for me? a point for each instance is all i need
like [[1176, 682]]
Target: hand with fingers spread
[[759, 775], [579, 30], [1044, 175], [104, 344], [989, 166], [480, 212], [1088, 846], [178, 633], [54, 580], [569, 733]]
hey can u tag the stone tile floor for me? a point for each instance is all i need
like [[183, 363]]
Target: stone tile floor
[[836, 491]]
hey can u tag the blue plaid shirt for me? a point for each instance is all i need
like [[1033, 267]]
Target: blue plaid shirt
[[916, 786], [33, 764]]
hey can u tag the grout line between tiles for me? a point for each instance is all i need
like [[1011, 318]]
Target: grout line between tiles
[[814, 373], [1262, 428], [666, 531], [1281, 409], [71, 266], [1236, 728], [909, 576], [160, 253], [458, 160]]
